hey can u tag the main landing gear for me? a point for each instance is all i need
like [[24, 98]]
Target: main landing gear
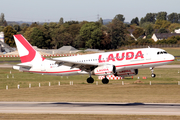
[[152, 75], [105, 80], [91, 80]]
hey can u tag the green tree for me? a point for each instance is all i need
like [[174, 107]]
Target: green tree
[[138, 32], [161, 16], [66, 38], [27, 34], [174, 26], [162, 30], [17, 27], [101, 21], [71, 22], [47, 37], [8, 35], [135, 21], [38, 39], [148, 29], [2, 20], [145, 41], [1, 28], [61, 21], [119, 17], [35, 24], [162, 24], [171, 40], [173, 18], [161, 42], [105, 41], [179, 18], [117, 31], [56, 38], [90, 34], [150, 17], [24, 26]]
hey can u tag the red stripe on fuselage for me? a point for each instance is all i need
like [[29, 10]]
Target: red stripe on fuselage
[[68, 71], [55, 72]]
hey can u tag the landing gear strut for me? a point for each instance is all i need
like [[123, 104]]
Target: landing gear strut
[[105, 80], [90, 79], [152, 75]]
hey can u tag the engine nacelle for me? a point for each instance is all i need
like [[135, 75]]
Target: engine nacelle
[[126, 73], [104, 70]]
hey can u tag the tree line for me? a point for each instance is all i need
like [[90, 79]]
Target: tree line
[[94, 35]]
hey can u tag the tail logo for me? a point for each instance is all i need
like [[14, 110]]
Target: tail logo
[[32, 53]]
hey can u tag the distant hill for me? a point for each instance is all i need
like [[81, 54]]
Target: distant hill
[[18, 22], [106, 21]]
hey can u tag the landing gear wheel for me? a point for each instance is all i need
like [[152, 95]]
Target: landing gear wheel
[[90, 80], [153, 75], [105, 81]]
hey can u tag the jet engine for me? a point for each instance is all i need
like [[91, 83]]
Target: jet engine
[[126, 73], [104, 70]]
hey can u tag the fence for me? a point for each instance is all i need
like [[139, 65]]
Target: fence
[[154, 46], [60, 55]]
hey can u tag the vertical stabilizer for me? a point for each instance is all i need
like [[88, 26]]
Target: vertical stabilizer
[[26, 52]]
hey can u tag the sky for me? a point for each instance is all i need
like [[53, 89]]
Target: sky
[[79, 10]]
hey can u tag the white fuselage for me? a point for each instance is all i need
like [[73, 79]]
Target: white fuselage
[[122, 60]]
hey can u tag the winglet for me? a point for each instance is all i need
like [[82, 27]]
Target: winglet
[[26, 52]]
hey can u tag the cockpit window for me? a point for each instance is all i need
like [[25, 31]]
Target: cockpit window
[[161, 52]]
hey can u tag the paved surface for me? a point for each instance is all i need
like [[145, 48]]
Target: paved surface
[[90, 108], [168, 66], [6, 66]]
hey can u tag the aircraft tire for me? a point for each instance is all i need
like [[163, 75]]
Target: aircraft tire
[[105, 81], [90, 80], [153, 75]]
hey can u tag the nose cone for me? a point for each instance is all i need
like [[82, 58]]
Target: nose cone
[[171, 57]]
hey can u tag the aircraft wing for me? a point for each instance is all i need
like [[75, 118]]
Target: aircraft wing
[[23, 66], [81, 66]]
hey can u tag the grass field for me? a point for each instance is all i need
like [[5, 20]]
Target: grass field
[[173, 51], [83, 117], [164, 87]]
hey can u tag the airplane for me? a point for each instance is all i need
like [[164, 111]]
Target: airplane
[[118, 63]]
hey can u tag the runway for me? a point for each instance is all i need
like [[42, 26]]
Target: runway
[[90, 108]]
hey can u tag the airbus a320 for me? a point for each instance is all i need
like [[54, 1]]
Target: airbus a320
[[119, 63]]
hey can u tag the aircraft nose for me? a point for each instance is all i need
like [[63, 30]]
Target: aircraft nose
[[171, 57]]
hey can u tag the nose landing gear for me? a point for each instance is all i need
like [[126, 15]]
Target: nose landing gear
[[152, 75]]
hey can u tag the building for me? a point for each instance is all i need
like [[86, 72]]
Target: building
[[161, 36], [177, 31], [2, 37]]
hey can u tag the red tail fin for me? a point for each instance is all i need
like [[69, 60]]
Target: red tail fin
[[26, 52]]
